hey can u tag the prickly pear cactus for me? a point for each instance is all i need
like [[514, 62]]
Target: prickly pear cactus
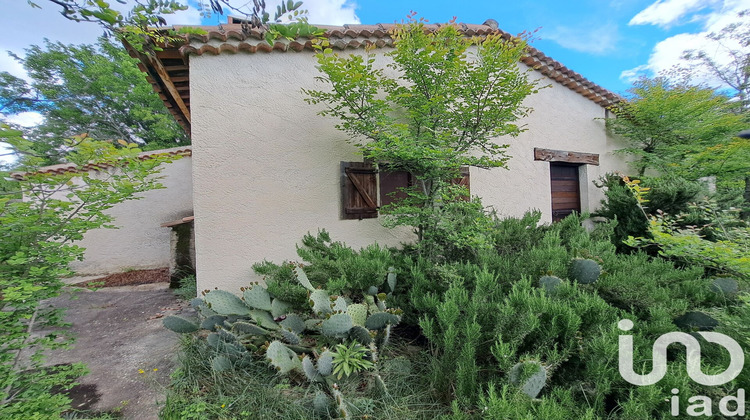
[[290, 336], [338, 325], [361, 335], [725, 286], [302, 279], [339, 305], [225, 303], [530, 376], [320, 302], [310, 371], [212, 321], [179, 324], [325, 363], [358, 312], [549, 283], [279, 308], [263, 319], [380, 320], [294, 323], [696, 321], [391, 279], [248, 328], [221, 363], [257, 297], [321, 404], [283, 359], [584, 271]]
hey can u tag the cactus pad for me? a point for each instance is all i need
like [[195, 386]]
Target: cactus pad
[[361, 335], [225, 303], [290, 337], [213, 340], [279, 307], [379, 320], [584, 271], [321, 404], [226, 335], [248, 328], [212, 321], [283, 359], [313, 324], [310, 371], [263, 319], [338, 325], [725, 286], [221, 363], [358, 312], [531, 383], [302, 279], [372, 291], [294, 323], [549, 283], [257, 297], [320, 302], [325, 363], [339, 305], [179, 324], [696, 321], [205, 311], [392, 279], [195, 303]]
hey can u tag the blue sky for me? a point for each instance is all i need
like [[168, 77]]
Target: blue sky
[[608, 41]]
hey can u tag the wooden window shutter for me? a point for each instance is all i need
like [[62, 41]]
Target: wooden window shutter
[[392, 184], [359, 190], [464, 180]]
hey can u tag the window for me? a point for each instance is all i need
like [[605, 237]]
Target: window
[[364, 190]]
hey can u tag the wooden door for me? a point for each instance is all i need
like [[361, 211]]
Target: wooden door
[[566, 194]]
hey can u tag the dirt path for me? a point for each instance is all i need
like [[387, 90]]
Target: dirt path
[[121, 339]]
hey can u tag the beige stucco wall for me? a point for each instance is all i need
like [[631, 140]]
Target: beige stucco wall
[[266, 166], [140, 242]]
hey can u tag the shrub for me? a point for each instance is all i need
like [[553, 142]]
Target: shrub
[[668, 194]]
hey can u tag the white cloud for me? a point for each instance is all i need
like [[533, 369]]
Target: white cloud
[[667, 54], [25, 119], [589, 39], [668, 12], [330, 12]]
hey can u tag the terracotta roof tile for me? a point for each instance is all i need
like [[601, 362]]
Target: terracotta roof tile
[[62, 168], [229, 38], [233, 40]]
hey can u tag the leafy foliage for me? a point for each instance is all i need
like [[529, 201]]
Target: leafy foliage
[[37, 246], [96, 90], [667, 194], [669, 127], [451, 98]]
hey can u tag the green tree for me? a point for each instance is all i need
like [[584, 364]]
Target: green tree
[[38, 244], [683, 130], [452, 97], [88, 89]]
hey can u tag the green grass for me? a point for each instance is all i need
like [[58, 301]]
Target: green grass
[[255, 391], [188, 288]]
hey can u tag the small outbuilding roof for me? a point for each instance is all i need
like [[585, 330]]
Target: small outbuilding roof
[[169, 74], [62, 168]]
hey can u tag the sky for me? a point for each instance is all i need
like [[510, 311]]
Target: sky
[[610, 42]]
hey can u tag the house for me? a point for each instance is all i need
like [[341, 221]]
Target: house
[[143, 235], [267, 168]]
